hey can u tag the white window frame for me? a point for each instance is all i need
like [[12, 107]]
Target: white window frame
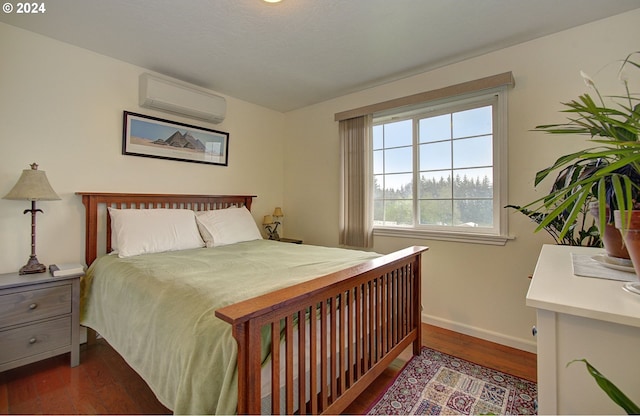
[[498, 235]]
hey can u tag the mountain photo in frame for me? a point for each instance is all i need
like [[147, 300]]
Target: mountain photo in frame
[[163, 139]]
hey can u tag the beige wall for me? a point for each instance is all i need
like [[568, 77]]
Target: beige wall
[[473, 288], [61, 106]]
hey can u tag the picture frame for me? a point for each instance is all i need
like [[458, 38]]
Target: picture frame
[[154, 137]]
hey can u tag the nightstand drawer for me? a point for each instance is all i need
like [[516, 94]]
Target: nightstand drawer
[[30, 305], [34, 339]]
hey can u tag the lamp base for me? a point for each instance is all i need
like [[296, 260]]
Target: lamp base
[[32, 266]]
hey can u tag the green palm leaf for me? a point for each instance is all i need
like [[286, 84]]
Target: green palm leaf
[[612, 391]]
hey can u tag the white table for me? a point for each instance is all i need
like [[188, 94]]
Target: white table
[[582, 317]]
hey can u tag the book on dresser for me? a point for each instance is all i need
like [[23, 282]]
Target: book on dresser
[[66, 269]]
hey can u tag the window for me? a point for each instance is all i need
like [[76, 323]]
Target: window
[[438, 170]]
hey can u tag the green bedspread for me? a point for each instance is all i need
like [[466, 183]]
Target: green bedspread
[[157, 311]]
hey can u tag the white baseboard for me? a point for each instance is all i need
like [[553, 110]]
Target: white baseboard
[[518, 343]]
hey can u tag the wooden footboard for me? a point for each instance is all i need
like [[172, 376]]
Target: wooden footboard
[[378, 304]]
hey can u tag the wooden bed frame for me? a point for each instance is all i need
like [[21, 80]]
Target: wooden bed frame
[[377, 303]]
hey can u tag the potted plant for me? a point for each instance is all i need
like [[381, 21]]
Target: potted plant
[[574, 232], [580, 232], [608, 173]]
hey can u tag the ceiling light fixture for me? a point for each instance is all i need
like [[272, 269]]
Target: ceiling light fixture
[[272, 1]]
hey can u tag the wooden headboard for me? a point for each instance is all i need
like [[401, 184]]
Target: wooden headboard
[[96, 204]]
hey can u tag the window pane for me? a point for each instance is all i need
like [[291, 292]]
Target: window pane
[[435, 185], [378, 186], [378, 211], [378, 162], [378, 137], [399, 133], [473, 122], [435, 156], [398, 160], [435, 128], [477, 151], [473, 183], [398, 213], [399, 186], [435, 212], [473, 213]]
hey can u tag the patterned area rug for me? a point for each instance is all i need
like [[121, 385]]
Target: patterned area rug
[[434, 383]]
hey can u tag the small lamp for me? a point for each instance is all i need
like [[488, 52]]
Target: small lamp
[[32, 186], [271, 225]]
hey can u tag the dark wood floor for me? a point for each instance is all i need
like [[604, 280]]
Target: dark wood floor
[[104, 384]]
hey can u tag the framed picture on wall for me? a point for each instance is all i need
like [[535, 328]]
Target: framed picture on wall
[[163, 139]]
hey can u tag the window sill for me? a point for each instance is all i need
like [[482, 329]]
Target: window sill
[[496, 240]]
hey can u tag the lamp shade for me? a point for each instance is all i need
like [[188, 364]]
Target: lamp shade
[[268, 219], [32, 185], [278, 212]]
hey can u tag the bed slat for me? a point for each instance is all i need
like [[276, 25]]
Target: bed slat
[[275, 367], [313, 361]]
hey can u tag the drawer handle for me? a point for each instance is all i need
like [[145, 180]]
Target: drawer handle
[[32, 340], [534, 331], [33, 306]]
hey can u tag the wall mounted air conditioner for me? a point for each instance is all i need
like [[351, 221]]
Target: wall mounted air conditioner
[[181, 98]]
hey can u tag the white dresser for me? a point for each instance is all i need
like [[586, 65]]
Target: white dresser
[[582, 317]]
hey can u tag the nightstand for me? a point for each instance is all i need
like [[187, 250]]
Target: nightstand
[[39, 318], [290, 240]]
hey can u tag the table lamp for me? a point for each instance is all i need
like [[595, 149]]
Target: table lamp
[[271, 225], [32, 186]]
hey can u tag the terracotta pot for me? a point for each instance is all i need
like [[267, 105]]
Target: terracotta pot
[[631, 236], [611, 238]]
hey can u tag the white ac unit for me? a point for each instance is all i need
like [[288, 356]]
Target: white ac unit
[[181, 98]]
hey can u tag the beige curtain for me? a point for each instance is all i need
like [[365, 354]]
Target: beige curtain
[[356, 218]]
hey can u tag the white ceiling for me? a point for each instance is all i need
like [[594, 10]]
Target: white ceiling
[[300, 52]]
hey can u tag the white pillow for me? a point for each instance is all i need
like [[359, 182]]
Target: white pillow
[[140, 231], [220, 227]]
